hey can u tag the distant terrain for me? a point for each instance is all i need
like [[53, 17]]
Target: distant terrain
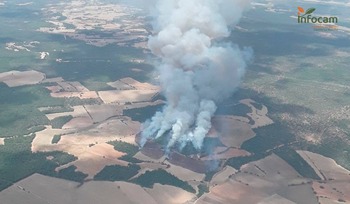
[[77, 81]]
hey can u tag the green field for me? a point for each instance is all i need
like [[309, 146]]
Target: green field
[[17, 161], [20, 117], [161, 176], [117, 173], [58, 123], [56, 139], [19, 108], [127, 148], [70, 173], [142, 114]]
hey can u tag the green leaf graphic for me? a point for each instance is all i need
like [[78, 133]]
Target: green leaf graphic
[[309, 11]]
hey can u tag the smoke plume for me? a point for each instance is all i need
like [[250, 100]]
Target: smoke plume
[[196, 69]]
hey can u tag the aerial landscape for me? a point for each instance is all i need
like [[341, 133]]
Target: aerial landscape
[[174, 101]]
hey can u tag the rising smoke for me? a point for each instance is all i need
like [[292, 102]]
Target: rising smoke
[[196, 69]]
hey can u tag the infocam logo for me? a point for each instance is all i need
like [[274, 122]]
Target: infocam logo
[[306, 17]]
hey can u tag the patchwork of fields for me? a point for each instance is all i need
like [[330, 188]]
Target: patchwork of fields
[[77, 84]]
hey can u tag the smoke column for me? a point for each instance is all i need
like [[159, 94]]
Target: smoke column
[[196, 69]]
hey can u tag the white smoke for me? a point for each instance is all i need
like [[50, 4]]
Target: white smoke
[[196, 70]]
